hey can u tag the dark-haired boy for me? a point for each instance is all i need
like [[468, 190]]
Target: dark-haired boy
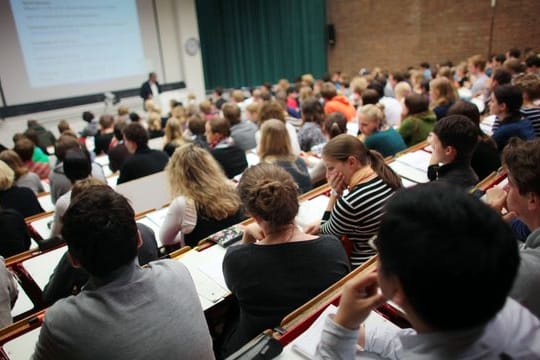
[[143, 161], [453, 141], [124, 311], [451, 277]]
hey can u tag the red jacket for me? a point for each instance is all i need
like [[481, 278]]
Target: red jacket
[[340, 104]]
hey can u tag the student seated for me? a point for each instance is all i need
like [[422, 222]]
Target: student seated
[[20, 199], [506, 103], [310, 133], [376, 132], [273, 110], [124, 311], [68, 280], [205, 201], [521, 197], [418, 121], [24, 177], [453, 141], [275, 148], [485, 158], [451, 276], [370, 182], [443, 95], [143, 161], [277, 267], [242, 131], [218, 136]]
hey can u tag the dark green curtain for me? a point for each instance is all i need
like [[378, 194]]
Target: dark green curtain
[[249, 42]]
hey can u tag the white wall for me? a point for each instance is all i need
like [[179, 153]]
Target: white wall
[[177, 22]]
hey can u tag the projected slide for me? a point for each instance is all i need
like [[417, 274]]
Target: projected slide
[[78, 41]]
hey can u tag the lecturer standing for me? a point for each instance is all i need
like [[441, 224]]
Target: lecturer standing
[[150, 89]]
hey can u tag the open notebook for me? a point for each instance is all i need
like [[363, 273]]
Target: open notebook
[[306, 344], [311, 210]]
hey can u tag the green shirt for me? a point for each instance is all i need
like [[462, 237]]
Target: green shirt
[[416, 128], [39, 155]]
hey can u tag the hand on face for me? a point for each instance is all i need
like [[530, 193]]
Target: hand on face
[[359, 296], [337, 182]]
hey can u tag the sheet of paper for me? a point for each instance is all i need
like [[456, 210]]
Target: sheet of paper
[[409, 172], [213, 267], [46, 202], [252, 158], [22, 347], [208, 289], [311, 211], [416, 159], [46, 185], [102, 160], [407, 183], [43, 226], [42, 266], [111, 181], [155, 228]]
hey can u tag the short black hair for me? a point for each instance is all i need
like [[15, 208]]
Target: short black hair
[[459, 132], [533, 60], [501, 58], [134, 117], [502, 76], [510, 95], [87, 116], [77, 165], [136, 133], [100, 230], [514, 52], [370, 96], [455, 267], [377, 86]]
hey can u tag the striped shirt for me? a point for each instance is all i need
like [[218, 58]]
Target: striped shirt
[[533, 114], [357, 215]]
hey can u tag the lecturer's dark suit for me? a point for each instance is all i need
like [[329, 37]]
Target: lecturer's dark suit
[[146, 90]]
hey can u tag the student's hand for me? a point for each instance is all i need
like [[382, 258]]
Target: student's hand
[[337, 183], [496, 198], [358, 297], [313, 229], [252, 233]]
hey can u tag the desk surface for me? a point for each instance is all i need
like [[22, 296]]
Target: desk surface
[[41, 267]]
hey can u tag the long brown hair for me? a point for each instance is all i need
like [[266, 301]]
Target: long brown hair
[[345, 145], [13, 160], [275, 142]]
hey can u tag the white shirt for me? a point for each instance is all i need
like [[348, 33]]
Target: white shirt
[[181, 219], [514, 331]]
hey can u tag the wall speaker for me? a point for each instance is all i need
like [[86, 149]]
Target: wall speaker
[[331, 34]]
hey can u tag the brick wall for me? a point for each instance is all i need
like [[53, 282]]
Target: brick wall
[[395, 34]]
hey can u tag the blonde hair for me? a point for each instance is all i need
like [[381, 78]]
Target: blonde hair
[[443, 90], [305, 93], [402, 90], [124, 110], [308, 79], [375, 113], [154, 121], [275, 143], [237, 95], [174, 131], [7, 176], [194, 173], [359, 85]]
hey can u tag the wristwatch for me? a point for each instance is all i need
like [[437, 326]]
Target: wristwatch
[[334, 193]]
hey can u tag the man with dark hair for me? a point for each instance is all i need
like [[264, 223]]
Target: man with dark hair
[[533, 64], [150, 89], [451, 276], [453, 140], [231, 158], [119, 153], [124, 311], [91, 129], [218, 99], [513, 53], [143, 161], [521, 197], [242, 131], [103, 138]]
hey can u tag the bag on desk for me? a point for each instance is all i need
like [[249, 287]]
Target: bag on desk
[[261, 348]]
